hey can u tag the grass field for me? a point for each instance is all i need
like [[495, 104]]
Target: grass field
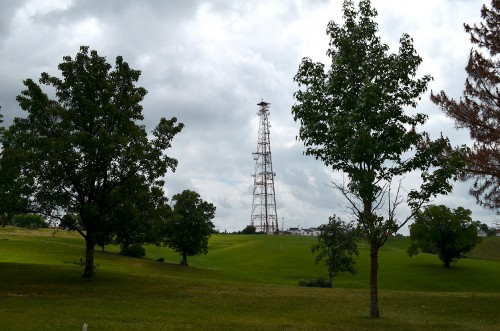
[[244, 283]]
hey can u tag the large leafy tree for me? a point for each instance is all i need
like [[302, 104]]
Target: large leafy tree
[[13, 193], [5, 205], [336, 247], [444, 232], [353, 119], [479, 109], [189, 225], [143, 216], [11, 202], [84, 153]]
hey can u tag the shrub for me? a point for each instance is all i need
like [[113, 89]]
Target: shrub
[[134, 250], [29, 221], [160, 259], [315, 282], [250, 229]]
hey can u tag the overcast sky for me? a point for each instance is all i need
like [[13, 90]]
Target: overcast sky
[[209, 63]]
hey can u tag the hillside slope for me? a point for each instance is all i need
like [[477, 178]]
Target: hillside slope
[[244, 283]]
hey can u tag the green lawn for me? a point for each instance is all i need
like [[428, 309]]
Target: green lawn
[[244, 283]]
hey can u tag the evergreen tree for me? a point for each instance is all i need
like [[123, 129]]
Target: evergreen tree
[[479, 109]]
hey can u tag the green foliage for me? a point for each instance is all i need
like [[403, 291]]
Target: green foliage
[[85, 153], [133, 250], [249, 229], [189, 225], [29, 221], [12, 198], [143, 218], [352, 117], [439, 230], [336, 247]]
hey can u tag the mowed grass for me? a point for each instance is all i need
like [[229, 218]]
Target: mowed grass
[[244, 283]]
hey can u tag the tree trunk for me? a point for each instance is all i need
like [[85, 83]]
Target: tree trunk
[[89, 257], [331, 281], [374, 310], [184, 259]]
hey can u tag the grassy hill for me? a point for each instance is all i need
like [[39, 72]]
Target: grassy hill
[[244, 283], [487, 249]]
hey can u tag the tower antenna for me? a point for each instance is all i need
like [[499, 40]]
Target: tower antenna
[[264, 216]]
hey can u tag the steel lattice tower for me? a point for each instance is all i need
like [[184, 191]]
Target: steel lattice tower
[[264, 216]]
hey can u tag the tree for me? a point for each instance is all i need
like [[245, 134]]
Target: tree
[[479, 108], [13, 193], [352, 118], [440, 230], [144, 216], [30, 221], [11, 198], [189, 226], [249, 229], [85, 153], [336, 246]]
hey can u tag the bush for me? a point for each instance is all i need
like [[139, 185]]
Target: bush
[[160, 259], [315, 282], [29, 221], [250, 229], [134, 250]]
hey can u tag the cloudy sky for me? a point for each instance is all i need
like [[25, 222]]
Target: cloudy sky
[[209, 63]]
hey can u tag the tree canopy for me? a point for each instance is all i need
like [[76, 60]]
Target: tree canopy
[[444, 232], [85, 153], [12, 200], [249, 229], [354, 118], [336, 247], [189, 225], [30, 221], [478, 110]]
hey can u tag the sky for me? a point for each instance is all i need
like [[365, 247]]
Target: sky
[[209, 63]]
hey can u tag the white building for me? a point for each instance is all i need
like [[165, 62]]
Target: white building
[[311, 232]]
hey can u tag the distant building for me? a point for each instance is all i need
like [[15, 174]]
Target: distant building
[[315, 231], [311, 232], [306, 232], [482, 233]]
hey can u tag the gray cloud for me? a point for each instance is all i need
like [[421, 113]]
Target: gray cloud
[[209, 62]]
